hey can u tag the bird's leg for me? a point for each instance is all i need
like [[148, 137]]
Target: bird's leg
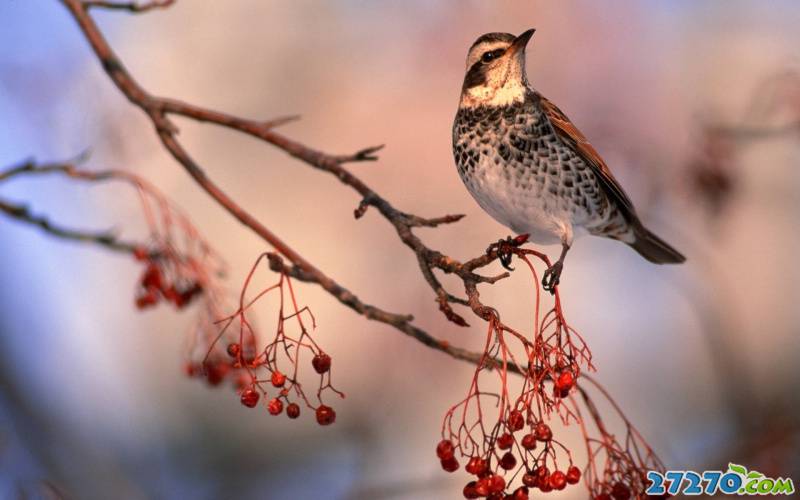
[[505, 249], [552, 276]]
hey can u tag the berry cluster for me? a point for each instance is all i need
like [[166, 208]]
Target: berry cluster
[[506, 441], [520, 442], [617, 468], [163, 281], [180, 265], [271, 374]]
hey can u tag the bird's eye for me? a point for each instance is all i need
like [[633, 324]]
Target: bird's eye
[[492, 55]]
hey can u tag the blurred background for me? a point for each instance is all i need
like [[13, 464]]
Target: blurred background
[[702, 357]]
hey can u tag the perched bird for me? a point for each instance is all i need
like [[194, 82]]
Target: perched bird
[[530, 168]]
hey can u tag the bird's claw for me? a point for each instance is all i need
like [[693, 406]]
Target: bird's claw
[[505, 249], [552, 277], [505, 260]]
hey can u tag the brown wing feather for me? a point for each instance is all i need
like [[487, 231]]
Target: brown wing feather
[[570, 134]]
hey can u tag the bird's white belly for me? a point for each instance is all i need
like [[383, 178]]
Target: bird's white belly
[[519, 205]]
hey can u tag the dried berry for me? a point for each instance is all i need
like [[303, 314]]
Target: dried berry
[[542, 432], [558, 480], [573, 475], [152, 277], [471, 490], [278, 379], [530, 480], [275, 406], [515, 420], [508, 461], [496, 483], [450, 464], [482, 488], [620, 491], [504, 441], [234, 350], [140, 253], [520, 493], [321, 363], [445, 449], [293, 410], [565, 381], [476, 466], [215, 373], [250, 397], [147, 299], [325, 415], [528, 441]]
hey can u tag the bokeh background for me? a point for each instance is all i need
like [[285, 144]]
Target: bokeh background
[[702, 357]]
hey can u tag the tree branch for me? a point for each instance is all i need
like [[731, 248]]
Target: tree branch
[[159, 109]]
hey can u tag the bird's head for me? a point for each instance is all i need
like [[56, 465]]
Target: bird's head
[[496, 70]]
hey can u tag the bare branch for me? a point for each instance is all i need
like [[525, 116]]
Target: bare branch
[[136, 7], [158, 110], [105, 239]]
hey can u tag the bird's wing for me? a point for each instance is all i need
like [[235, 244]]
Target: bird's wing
[[573, 137]]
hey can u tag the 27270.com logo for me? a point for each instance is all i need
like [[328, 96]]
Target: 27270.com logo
[[737, 480]]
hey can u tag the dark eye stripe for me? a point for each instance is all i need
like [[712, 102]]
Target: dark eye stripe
[[492, 54]]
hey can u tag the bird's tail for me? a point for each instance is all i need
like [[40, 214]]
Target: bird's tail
[[653, 248]]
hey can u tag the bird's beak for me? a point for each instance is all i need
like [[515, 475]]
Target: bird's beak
[[519, 43]]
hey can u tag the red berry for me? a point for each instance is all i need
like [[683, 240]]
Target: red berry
[[602, 496], [476, 466], [530, 480], [520, 493], [234, 350], [275, 406], [321, 363], [515, 420], [557, 393], [508, 461], [471, 490], [520, 239], [171, 294], [192, 369], [293, 410], [215, 373], [542, 432], [496, 483], [191, 292], [528, 441], [278, 379], [565, 381], [543, 473], [242, 381], [147, 299], [620, 492], [504, 441], [573, 475], [140, 253], [325, 415], [445, 449], [544, 484], [450, 464], [152, 277], [250, 397], [558, 480], [482, 488]]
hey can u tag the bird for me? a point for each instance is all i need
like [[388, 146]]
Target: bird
[[530, 168]]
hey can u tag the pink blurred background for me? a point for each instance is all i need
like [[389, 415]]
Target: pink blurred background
[[702, 357]]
